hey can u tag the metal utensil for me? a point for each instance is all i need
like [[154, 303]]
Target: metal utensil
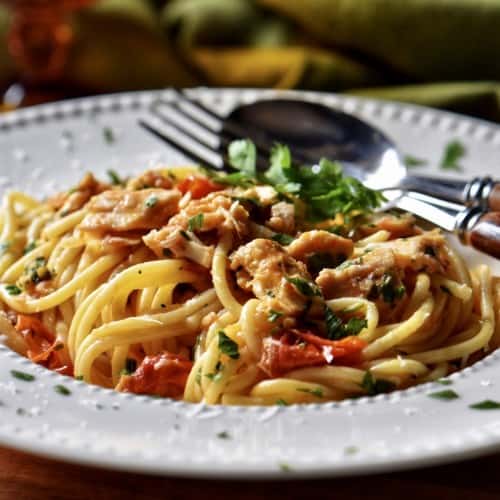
[[203, 136], [313, 131]]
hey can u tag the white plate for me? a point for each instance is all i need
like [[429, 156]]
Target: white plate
[[47, 148]]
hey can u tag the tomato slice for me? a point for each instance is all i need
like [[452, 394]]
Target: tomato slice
[[163, 374], [295, 349], [42, 344], [198, 186]]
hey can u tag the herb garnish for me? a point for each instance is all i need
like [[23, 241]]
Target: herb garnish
[[443, 381], [151, 201], [282, 402], [336, 329], [318, 392], [13, 289], [282, 239], [391, 291], [376, 386], [115, 179], [453, 152], [108, 134], [324, 189], [30, 247], [228, 346], [63, 390], [322, 260], [130, 366], [223, 435], [26, 377], [284, 467], [185, 235], [303, 286], [195, 222], [487, 404], [274, 315], [217, 375], [412, 161], [446, 395]]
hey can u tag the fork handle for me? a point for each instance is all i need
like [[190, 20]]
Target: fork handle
[[483, 232], [494, 197]]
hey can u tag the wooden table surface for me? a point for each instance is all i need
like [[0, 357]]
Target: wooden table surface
[[24, 477]]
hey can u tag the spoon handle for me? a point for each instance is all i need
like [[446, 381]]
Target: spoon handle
[[483, 191]]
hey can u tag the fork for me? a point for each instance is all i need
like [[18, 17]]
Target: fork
[[203, 135]]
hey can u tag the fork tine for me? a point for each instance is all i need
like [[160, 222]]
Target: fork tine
[[229, 129], [196, 131], [226, 129], [183, 143]]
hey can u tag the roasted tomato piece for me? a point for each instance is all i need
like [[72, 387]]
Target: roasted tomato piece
[[43, 347], [163, 374], [198, 186], [295, 349]]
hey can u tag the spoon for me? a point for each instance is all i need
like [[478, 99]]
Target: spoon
[[313, 131]]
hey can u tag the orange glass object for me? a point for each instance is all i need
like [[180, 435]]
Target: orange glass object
[[40, 36]]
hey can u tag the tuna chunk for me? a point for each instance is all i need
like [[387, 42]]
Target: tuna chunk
[[356, 277], [331, 248], [120, 211], [264, 268], [150, 179], [76, 198], [215, 212], [282, 218]]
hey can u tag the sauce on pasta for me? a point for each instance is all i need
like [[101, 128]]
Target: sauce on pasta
[[177, 285]]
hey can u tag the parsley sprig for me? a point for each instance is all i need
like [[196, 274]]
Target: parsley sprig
[[323, 188]]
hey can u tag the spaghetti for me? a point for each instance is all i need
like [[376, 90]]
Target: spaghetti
[[180, 286]]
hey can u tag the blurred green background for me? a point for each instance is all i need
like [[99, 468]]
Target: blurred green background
[[443, 53]]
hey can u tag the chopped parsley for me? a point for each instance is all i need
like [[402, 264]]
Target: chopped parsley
[[322, 260], [318, 392], [452, 154], [282, 239], [446, 395], [130, 366], [228, 346], [336, 329], [274, 315], [284, 467], [185, 235], [282, 402], [443, 381], [223, 435], [376, 386], [217, 375], [114, 178], [195, 222], [30, 247], [323, 189], [38, 271], [304, 287], [242, 155], [412, 161], [151, 201], [355, 325], [390, 291], [62, 389], [13, 289], [108, 135], [487, 404], [351, 450], [26, 377]]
